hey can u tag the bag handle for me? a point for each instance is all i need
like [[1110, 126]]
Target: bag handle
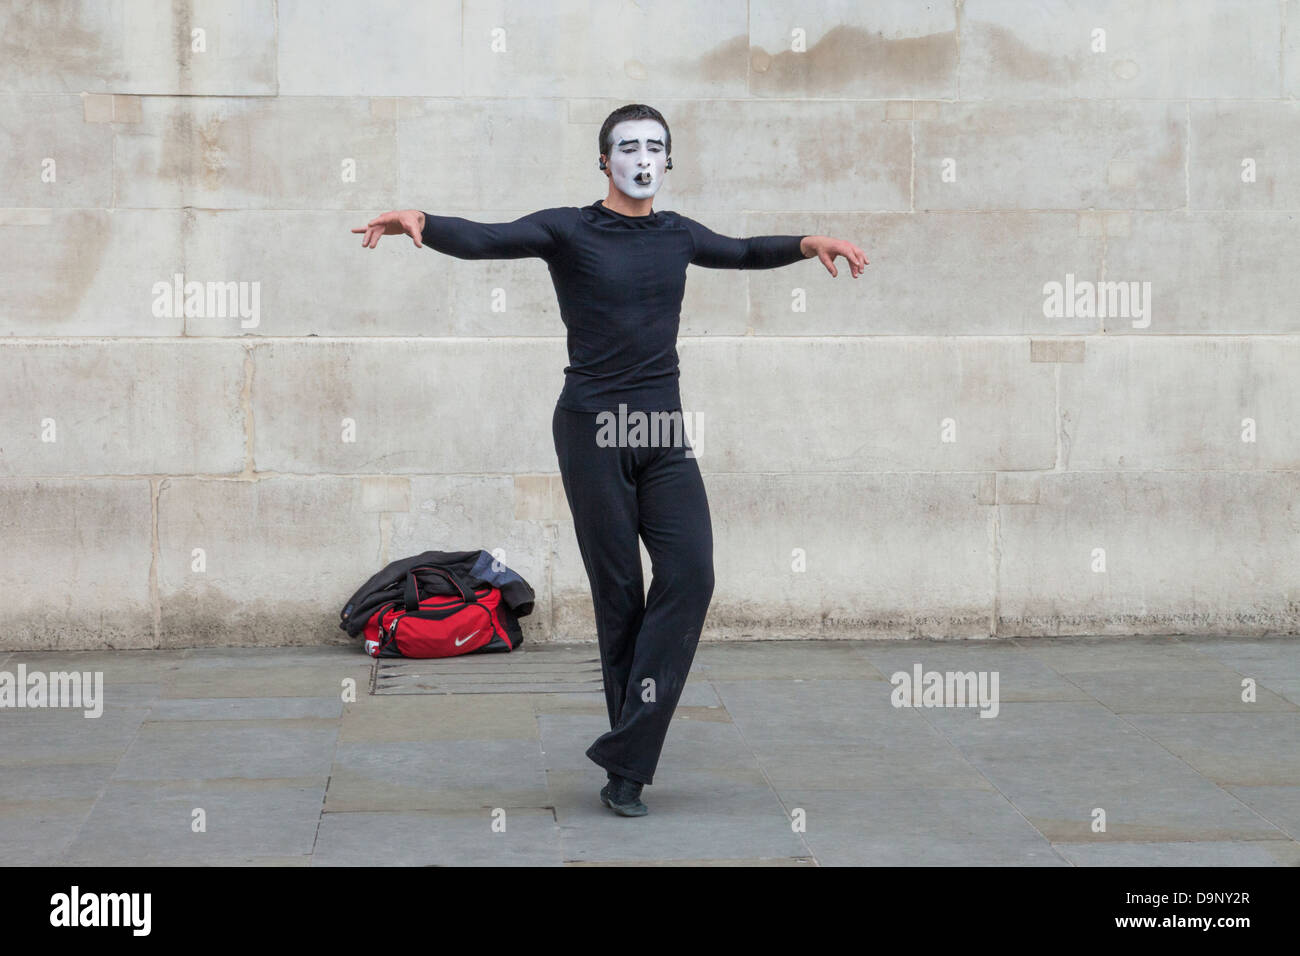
[[411, 593]]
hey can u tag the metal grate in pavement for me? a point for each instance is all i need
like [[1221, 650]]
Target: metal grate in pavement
[[529, 670]]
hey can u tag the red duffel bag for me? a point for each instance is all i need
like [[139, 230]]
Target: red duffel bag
[[441, 615]]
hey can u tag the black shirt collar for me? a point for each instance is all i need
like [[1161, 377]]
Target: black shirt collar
[[600, 204]]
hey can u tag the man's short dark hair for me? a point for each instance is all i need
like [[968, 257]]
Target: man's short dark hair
[[633, 111]]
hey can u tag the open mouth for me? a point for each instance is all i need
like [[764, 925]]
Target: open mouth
[[643, 179]]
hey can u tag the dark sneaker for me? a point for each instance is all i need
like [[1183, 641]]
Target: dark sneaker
[[623, 796]]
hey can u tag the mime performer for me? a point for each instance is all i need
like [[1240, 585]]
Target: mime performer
[[619, 270]]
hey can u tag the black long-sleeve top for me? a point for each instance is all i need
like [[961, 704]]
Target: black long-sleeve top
[[619, 281]]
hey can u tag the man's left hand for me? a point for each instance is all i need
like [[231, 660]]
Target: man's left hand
[[826, 249]]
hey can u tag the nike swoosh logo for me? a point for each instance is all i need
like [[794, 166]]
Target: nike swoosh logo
[[459, 643]]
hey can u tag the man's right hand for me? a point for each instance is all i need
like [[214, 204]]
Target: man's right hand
[[408, 221]]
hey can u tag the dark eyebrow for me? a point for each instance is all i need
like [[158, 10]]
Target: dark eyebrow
[[624, 142]]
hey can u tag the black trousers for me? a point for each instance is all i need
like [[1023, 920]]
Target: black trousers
[[647, 641]]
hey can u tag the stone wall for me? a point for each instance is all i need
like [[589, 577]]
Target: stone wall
[[932, 449]]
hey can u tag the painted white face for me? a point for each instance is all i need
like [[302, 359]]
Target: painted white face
[[638, 157]]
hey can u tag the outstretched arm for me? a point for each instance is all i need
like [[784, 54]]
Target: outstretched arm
[[714, 251], [536, 234]]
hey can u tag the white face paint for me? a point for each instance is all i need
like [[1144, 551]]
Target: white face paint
[[638, 157]]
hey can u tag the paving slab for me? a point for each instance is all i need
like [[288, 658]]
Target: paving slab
[[1077, 744], [843, 735], [246, 708], [116, 691], [36, 833], [1217, 689], [152, 824], [307, 680], [698, 693], [566, 737], [63, 736], [241, 861], [695, 814], [1021, 676], [1286, 687], [1279, 805], [1190, 809], [816, 713], [437, 775], [712, 713], [432, 838], [349, 655], [218, 749], [1068, 655], [771, 861], [264, 739], [450, 717], [121, 693], [696, 741], [34, 782], [126, 666], [1275, 658], [1253, 853], [888, 765], [926, 827], [590, 704], [103, 691], [1241, 749], [759, 660]]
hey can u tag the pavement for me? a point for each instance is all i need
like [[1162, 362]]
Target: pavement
[[1103, 751]]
